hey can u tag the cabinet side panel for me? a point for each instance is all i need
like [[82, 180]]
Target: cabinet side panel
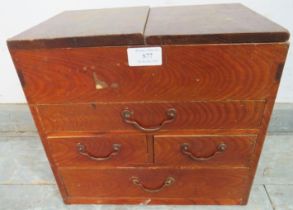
[[270, 101], [34, 112]]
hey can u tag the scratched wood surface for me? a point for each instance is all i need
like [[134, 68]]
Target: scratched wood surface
[[189, 116], [192, 72]]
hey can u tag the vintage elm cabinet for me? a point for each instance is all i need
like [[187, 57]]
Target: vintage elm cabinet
[[146, 105]]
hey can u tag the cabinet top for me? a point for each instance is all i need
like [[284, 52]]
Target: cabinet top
[[220, 23], [197, 24]]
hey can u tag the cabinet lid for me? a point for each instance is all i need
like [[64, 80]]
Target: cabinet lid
[[218, 23], [86, 28], [197, 24]]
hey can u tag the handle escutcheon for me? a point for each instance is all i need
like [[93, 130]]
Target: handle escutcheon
[[81, 148], [185, 150], [127, 115], [168, 182]]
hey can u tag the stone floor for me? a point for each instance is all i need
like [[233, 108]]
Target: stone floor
[[26, 182]]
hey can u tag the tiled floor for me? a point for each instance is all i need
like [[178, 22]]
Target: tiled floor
[[27, 183]]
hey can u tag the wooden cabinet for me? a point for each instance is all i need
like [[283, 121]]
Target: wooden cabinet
[[184, 124]]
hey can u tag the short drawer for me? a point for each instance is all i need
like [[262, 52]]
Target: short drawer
[[197, 186], [101, 150], [204, 151], [151, 117], [188, 72]]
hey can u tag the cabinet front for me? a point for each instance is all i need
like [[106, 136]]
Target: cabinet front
[[188, 72]]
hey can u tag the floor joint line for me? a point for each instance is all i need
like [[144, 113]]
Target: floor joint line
[[269, 197]]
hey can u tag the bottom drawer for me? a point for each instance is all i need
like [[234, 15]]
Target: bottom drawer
[[208, 186]]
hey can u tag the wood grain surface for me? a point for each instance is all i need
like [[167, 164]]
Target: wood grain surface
[[133, 151], [86, 28], [190, 116], [238, 153], [234, 100], [217, 23], [192, 24], [198, 186], [221, 70], [199, 132], [193, 72]]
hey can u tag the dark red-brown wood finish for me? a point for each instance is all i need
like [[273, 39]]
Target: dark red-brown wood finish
[[189, 131]]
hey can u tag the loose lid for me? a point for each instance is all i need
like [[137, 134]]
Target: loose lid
[[198, 24], [221, 23], [86, 28]]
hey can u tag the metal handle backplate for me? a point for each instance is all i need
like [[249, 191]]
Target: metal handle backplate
[[185, 150], [168, 182], [127, 118], [81, 148]]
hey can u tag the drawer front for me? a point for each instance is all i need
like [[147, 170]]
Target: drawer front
[[148, 117], [194, 72], [201, 186], [101, 150], [204, 151]]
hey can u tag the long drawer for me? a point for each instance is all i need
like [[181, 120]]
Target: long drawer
[[197, 186], [188, 72], [151, 117]]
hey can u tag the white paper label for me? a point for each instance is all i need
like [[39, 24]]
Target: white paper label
[[144, 56]]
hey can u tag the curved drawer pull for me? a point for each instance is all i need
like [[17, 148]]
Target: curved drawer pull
[[127, 114], [81, 148], [168, 182], [185, 150]]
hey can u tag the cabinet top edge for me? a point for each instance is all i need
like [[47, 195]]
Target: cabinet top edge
[[131, 26]]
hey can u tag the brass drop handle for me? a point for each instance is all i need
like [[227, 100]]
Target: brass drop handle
[[168, 182], [99, 83], [185, 150], [127, 115], [81, 148]]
